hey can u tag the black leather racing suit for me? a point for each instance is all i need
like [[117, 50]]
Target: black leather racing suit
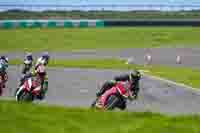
[[25, 70]]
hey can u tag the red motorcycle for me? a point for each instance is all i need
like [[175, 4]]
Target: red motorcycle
[[28, 91], [1, 84], [115, 97], [3, 79]]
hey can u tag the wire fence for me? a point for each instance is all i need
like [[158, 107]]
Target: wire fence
[[99, 7]]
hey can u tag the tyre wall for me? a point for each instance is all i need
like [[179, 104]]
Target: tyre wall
[[152, 22], [50, 23], [93, 23]]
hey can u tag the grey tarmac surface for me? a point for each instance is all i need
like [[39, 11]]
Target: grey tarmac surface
[[164, 56], [77, 87]]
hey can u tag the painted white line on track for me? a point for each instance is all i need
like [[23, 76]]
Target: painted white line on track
[[169, 81]]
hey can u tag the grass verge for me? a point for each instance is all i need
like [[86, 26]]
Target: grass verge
[[92, 38], [17, 14], [23, 118], [188, 76]]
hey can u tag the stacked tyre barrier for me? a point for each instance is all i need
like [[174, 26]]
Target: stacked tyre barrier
[[153, 22], [8, 24], [93, 23]]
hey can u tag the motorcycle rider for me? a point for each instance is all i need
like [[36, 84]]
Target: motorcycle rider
[[133, 78], [42, 80], [41, 74], [28, 63], [3, 71], [44, 59]]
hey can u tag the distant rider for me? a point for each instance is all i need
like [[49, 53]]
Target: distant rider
[[3, 72], [28, 63], [44, 59]]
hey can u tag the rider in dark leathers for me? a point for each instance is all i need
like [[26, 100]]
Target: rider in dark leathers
[[133, 77], [28, 63]]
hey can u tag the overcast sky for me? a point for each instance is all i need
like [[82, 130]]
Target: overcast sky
[[21, 4], [98, 1]]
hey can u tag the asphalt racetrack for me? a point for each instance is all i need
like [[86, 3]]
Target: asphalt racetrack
[[163, 56], [77, 87]]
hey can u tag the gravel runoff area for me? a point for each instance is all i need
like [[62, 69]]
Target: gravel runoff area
[[77, 87], [164, 56]]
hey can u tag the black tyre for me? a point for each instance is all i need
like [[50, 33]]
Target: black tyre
[[15, 93], [122, 105], [112, 102], [24, 96], [93, 103], [28, 97]]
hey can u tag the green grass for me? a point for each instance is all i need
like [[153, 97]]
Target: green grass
[[28, 118], [17, 14], [188, 76], [92, 38]]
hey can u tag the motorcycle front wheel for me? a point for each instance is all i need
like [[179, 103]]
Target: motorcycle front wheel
[[112, 102], [22, 95], [94, 103]]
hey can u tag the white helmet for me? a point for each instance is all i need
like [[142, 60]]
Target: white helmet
[[40, 61], [27, 62]]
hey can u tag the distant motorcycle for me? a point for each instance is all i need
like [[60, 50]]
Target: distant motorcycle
[[3, 79], [29, 91], [1, 84], [115, 97]]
